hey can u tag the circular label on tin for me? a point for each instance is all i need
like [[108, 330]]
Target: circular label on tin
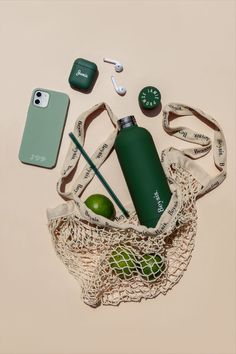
[[149, 97]]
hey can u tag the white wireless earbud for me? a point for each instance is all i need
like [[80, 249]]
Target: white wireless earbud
[[119, 89], [118, 66]]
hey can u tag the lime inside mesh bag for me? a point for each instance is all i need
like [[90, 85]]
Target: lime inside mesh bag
[[121, 260]]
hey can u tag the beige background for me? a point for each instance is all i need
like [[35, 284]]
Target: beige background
[[187, 49]]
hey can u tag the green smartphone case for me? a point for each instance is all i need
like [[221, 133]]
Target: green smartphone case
[[43, 130]]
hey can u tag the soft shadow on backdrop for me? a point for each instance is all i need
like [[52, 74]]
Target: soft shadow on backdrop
[[187, 50]]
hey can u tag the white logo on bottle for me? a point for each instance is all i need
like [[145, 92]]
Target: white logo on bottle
[[156, 196]]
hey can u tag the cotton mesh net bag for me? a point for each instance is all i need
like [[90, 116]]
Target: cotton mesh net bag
[[121, 260]]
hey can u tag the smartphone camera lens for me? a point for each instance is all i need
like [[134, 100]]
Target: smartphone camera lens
[[38, 94], [36, 101]]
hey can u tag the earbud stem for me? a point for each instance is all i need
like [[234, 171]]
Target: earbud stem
[[114, 82], [109, 61]]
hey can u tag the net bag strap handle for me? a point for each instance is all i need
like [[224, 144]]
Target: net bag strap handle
[[73, 154], [172, 111]]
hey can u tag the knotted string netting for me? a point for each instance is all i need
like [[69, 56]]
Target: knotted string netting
[[117, 261]]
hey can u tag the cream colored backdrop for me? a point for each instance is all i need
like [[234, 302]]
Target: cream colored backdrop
[[187, 49]]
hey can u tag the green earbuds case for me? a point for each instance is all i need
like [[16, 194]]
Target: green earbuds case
[[44, 128], [83, 75]]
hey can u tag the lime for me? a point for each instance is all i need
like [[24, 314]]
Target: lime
[[151, 266], [101, 205], [123, 262]]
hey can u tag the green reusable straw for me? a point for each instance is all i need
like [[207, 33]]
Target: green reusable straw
[[98, 174]]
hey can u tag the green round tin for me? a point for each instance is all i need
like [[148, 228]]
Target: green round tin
[[149, 97]]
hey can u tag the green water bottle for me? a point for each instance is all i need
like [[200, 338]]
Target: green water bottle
[[142, 170]]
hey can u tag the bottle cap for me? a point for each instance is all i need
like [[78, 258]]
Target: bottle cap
[[149, 97], [126, 122]]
